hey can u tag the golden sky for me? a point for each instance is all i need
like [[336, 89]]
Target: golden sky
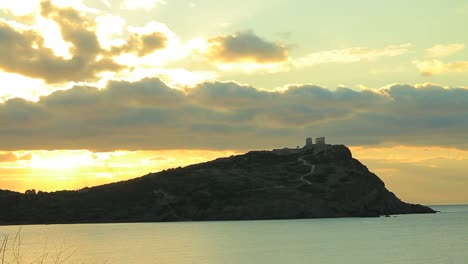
[[100, 91]]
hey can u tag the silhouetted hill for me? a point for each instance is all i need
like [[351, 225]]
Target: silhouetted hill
[[324, 181]]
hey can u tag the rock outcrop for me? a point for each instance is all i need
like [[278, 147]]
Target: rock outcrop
[[322, 181]]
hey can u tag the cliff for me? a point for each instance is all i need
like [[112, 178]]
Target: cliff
[[323, 181]]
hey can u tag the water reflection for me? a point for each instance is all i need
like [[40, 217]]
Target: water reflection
[[421, 239]]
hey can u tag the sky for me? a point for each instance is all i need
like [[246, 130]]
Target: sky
[[98, 91]]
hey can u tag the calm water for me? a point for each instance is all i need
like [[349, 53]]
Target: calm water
[[439, 238]]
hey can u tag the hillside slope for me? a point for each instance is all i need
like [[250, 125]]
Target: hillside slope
[[324, 181]]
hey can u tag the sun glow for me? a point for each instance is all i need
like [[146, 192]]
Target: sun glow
[[61, 159], [435, 170], [250, 66], [75, 169], [109, 30], [20, 8], [21, 86], [400, 167], [53, 39]]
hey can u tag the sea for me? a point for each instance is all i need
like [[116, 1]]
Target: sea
[[418, 239]]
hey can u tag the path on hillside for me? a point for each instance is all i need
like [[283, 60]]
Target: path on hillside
[[166, 199], [312, 170], [302, 178]]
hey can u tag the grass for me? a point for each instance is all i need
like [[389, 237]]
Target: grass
[[10, 252]]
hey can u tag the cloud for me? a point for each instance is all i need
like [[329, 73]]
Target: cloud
[[24, 50], [7, 157], [240, 52], [141, 4], [159, 158], [82, 32], [439, 51], [245, 47], [12, 157], [150, 115], [143, 44], [435, 67], [247, 52], [350, 55]]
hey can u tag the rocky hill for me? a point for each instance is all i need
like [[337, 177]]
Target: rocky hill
[[322, 181]]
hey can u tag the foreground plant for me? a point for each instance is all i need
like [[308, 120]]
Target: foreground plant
[[10, 252]]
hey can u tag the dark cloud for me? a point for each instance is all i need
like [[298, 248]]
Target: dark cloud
[[246, 46], [150, 115], [23, 51]]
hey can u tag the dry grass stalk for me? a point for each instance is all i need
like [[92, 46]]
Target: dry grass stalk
[[63, 254]]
